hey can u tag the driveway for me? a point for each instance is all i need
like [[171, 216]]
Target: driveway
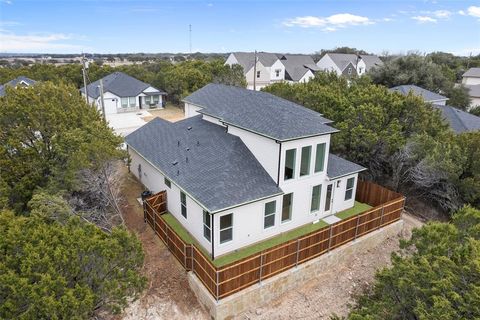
[[125, 123]]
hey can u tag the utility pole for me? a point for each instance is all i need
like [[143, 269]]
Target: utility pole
[[84, 71], [190, 37], [102, 102], [255, 72]]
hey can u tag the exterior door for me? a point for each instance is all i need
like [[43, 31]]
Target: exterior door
[[329, 198]]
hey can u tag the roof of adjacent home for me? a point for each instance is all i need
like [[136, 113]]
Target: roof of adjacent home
[[120, 84], [247, 59], [15, 82], [212, 166], [342, 60], [472, 72], [259, 112], [427, 95], [338, 167], [473, 90], [459, 121], [297, 65]]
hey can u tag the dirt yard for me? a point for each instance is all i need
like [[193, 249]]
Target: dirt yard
[[168, 295], [170, 112]]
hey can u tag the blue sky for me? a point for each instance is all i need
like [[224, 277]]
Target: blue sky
[[71, 26]]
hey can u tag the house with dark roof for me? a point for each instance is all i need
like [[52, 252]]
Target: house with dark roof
[[19, 82], [348, 64], [458, 120], [273, 67], [426, 95], [123, 93], [471, 80], [243, 166]]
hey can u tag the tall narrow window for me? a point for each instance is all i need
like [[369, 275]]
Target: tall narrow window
[[287, 207], [156, 99], [183, 201], [269, 215], [226, 228], [320, 157], [290, 164], [258, 74], [132, 101], [207, 229], [316, 194], [147, 99], [305, 162], [124, 102], [349, 190]]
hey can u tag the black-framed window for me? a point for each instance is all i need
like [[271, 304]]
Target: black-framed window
[[167, 182], [287, 207], [320, 157], [349, 190], [316, 195], [305, 161], [269, 214], [258, 74], [183, 201], [290, 156], [226, 228], [207, 225]]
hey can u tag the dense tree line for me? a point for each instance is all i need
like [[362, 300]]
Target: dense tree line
[[177, 79], [403, 141]]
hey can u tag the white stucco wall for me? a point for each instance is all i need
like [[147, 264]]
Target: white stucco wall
[[327, 64], [471, 80]]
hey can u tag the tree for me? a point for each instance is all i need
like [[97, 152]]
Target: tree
[[435, 276], [47, 135], [68, 270]]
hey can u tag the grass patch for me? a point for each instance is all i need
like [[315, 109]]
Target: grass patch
[[356, 209]]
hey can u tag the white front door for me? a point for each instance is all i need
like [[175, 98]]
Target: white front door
[[329, 199]]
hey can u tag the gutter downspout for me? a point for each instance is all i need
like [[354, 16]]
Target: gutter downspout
[[212, 230], [279, 158]]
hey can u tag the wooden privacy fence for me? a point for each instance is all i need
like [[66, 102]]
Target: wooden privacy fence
[[228, 279]]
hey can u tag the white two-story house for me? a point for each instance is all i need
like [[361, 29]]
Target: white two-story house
[[471, 80], [243, 166], [348, 64], [123, 93]]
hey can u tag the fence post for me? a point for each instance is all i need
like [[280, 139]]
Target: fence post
[[356, 228], [185, 256], [261, 269], [193, 258], [217, 285], [298, 252], [381, 217], [330, 238]]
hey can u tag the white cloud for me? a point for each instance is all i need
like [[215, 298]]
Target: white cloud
[[330, 23], [461, 12], [7, 23], [442, 14], [424, 19], [210, 5], [6, 1], [474, 11], [10, 42], [388, 19]]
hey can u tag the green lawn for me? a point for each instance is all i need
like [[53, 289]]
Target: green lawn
[[357, 208], [264, 245]]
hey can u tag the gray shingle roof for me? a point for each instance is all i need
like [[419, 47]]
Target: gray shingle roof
[[472, 72], [247, 59], [296, 65], [118, 83], [338, 167], [15, 82], [428, 96], [371, 61], [260, 112], [473, 90], [459, 121], [221, 171], [343, 59]]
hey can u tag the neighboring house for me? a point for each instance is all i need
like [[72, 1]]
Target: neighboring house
[[298, 67], [123, 93], [243, 166], [17, 82], [427, 95], [347, 64], [471, 80], [458, 120]]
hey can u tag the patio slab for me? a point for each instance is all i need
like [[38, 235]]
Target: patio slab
[[331, 219]]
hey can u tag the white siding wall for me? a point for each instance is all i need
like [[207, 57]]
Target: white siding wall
[[327, 64], [153, 180], [261, 82], [112, 103], [307, 77], [475, 101], [231, 60], [264, 149], [471, 80], [191, 110], [361, 67], [278, 65], [339, 203]]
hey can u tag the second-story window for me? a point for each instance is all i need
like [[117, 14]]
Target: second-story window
[[183, 201], [290, 164], [305, 161], [269, 214], [258, 74], [277, 73], [207, 229], [226, 228], [320, 157], [349, 70]]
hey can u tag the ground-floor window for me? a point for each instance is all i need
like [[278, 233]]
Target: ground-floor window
[[226, 228], [316, 194], [183, 201], [132, 101], [287, 207], [349, 190], [269, 214], [207, 229], [124, 102]]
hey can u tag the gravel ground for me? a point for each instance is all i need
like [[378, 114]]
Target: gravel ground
[[170, 112], [168, 295]]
